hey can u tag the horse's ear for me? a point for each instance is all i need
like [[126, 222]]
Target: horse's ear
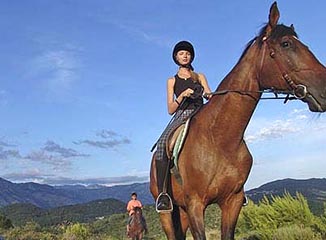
[[292, 26], [274, 15]]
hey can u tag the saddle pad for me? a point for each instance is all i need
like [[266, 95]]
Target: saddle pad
[[179, 143]]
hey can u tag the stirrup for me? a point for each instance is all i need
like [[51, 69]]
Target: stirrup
[[245, 201], [163, 194]]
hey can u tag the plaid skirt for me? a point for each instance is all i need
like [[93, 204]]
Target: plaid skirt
[[180, 117]]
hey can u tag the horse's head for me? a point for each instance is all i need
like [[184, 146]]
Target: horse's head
[[287, 64], [138, 211]]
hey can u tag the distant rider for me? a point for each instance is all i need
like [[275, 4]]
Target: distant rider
[[130, 208]]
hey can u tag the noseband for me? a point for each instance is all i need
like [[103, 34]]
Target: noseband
[[298, 90]]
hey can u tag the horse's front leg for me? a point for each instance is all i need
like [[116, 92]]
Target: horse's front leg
[[167, 225], [195, 210], [181, 234], [231, 208]]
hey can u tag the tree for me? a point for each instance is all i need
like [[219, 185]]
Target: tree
[[5, 223]]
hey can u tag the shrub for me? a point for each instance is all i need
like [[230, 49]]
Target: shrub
[[31, 231], [76, 232], [264, 219], [295, 233], [5, 223]]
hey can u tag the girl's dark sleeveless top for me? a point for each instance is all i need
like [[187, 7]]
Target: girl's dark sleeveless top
[[182, 84]]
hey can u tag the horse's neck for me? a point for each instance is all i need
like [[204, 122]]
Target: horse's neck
[[137, 218], [231, 112]]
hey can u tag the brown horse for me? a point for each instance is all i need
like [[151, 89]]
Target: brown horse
[[137, 225], [215, 162]]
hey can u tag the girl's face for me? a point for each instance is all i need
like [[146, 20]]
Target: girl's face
[[183, 57], [133, 197]]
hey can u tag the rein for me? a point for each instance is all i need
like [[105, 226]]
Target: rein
[[289, 94], [298, 92]]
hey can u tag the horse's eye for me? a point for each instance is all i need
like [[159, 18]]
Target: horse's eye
[[286, 44]]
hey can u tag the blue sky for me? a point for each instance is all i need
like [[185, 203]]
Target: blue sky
[[82, 86]]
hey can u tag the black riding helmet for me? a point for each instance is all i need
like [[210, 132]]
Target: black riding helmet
[[134, 194], [183, 45]]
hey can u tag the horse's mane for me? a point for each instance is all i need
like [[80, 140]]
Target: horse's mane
[[279, 31]]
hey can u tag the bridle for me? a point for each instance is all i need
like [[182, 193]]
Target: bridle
[[297, 92]]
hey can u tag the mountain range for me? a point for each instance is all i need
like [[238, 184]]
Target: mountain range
[[46, 196], [314, 190], [21, 213]]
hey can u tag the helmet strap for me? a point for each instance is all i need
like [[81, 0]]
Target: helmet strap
[[189, 66]]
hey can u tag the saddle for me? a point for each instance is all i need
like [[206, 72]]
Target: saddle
[[174, 145], [172, 139]]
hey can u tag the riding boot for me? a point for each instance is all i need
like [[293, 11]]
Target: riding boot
[[163, 201], [128, 226]]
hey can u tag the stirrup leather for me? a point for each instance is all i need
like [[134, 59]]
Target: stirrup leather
[[163, 194]]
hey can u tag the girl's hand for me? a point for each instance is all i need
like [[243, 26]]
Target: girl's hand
[[187, 92], [207, 96]]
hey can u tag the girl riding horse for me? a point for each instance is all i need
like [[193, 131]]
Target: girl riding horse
[[181, 102]]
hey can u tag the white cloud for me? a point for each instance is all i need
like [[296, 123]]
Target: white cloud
[[139, 33], [57, 68], [5, 143], [38, 176], [294, 123], [52, 147], [57, 162], [288, 147], [276, 129], [109, 139], [8, 154], [139, 30], [106, 181], [29, 175], [3, 98], [52, 154], [300, 165]]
